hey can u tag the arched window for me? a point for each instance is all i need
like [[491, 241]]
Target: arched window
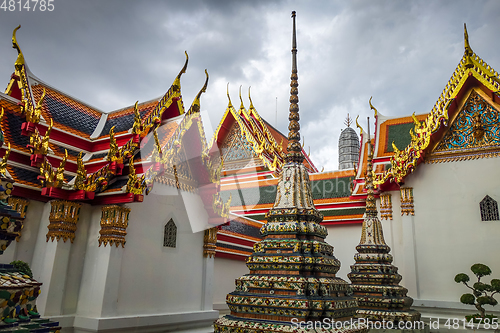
[[170, 234], [489, 209]]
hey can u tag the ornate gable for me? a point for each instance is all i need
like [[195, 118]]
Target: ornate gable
[[236, 148], [474, 133]]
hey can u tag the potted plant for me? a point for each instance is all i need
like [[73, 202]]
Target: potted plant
[[482, 293]]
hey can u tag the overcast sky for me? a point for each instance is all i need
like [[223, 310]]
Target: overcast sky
[[112, 53]]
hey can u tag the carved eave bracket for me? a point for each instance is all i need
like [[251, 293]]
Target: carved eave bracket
[[114, 223]]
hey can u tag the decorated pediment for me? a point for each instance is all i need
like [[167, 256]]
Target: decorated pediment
[[474, 133], [236, 147]]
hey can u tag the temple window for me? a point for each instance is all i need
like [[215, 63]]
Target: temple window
[[170, 234], [489, 209]]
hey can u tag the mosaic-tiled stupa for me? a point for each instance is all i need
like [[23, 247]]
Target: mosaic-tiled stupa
[[292, 270], [375, 281]]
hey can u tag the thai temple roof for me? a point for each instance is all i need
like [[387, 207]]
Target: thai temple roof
[[64, 148], [402, 143]]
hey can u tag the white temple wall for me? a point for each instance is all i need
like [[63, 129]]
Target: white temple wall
[[23, 250], [156, 279], [344, 238], [76, 258], [226, 272], [449, 234]]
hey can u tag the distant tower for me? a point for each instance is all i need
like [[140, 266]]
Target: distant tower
[[348, 146]]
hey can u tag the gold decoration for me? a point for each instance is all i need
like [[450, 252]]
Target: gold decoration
[[135, 185], [3, 161], [136, 129], [209, 242], [220, 207], [114, 222], [113, 146], [407, 207], [59, 175], [39, 145], [81, 173], [195, 106], [405, 161], [359, 126], [104, 175], [15, 45], [386, 206], [33, 116], [177, 82], [21, 206], [51, 177], [372, 107], [63, 219]]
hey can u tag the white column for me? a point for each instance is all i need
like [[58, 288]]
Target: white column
[[53, 273], [409, 245], [208, 283], [99, 289]]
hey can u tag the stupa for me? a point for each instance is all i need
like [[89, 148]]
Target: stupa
[[375, 281], [292, 285]]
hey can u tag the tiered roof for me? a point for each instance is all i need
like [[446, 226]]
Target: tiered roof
[[64, 148]]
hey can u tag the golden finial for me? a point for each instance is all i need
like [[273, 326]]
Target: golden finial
[[242, 107], [196, 102], [348, 121], [3, 161], [415, 120], [372, 107], [136, 129], [113, 146], [322, 169], [303, 141], [177, 81], [468, 50], [81, 173], [15, 45], [359, 126], [250, 98], [294, 148], [230, 105]]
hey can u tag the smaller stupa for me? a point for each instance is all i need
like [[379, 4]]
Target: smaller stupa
[[375, 281]]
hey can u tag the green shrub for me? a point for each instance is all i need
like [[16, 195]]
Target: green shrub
[[482, 293], [22, 267]]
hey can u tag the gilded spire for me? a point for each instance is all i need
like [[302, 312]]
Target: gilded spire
[[371, 208], [294, 149]]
